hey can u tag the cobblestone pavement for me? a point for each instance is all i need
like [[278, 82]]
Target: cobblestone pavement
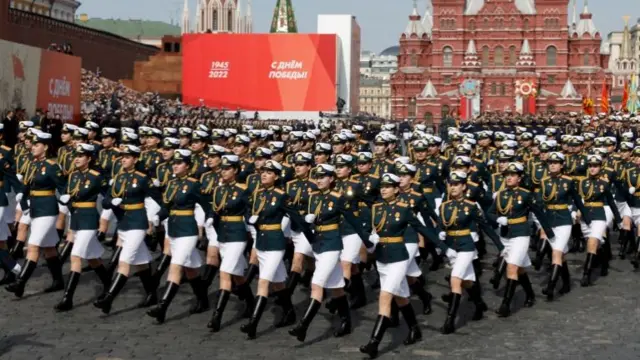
[[600, 322]]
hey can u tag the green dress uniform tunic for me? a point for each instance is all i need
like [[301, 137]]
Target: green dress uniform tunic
[[178, 205], [230, 205], [328, 207], [458, 218], [431, 185], [41, 180], [271, 205], [515, 204], [299, 192], [557, 193], [164, 173], [208, 182], [382, 166], [84, 187], [247, 166], [151, 161], [106, 159], [595, 192], [352, 193], [8, 178], [132, 187], [418, 204], [370, 185], [198, 165]]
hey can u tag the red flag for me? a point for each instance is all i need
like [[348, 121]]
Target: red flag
[[532, 105], [18, 68], [625, 96], [604, 103]]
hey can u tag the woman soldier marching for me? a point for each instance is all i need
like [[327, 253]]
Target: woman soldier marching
[[458, 218], [594, 190], [324, 211], [390, 219], [230, 203], [126, 199], [510, 210], [178, 205], [269, 207], [557, 191], [38, 200], [84, 186]]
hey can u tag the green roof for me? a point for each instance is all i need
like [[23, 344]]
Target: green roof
[[133, 29]]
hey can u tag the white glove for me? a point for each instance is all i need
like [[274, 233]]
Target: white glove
[[502, 221], [116, 201], [310, 218], [156, 220], [442, 235], [253, 219], [65, 199], [209, 222], [156, 183], [574, 216], [25, 212], [375, 239], [28, 202], [490, 162], [110, 182], [451, 254], [632, 190], [494, 195], [20, 177], [18, 197]]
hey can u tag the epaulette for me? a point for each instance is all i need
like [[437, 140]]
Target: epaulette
[[192, 179], [442, 157], [140, 173], [5, 147], [605, 178], [469, 202], [374, 176], [430, 163], [353, 181], [315, 192], [241, 186], [472, 183], [336, 194], [609, 169], [567, 177], [403, 204], [354, 177], [413, 192], [116, 150], [51, 162], [249, 160], [278, 190], [94, 172], [523, 189]]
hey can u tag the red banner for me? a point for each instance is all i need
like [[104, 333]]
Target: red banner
[[270, 72], [59, 85]]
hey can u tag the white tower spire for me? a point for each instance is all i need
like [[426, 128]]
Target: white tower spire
[[186, 24], [249, 18]]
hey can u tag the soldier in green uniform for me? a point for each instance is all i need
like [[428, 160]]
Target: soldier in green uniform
[[390, 219], [277, 150], [152, 155], [93, 135], [370, 185], [294, 145], [632, 186], [510, 211], [199, 141], [126, 198], [229, 207], [209, 181], [185, 134], [38, 200], [179, 200], [83, 187], [8, 181], [362, 145], [241, 149], [459, 217], [268, 209], [595, 191]]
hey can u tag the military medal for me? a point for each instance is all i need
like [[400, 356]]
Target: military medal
[[273, 201], [135, 183], [43, 170], [86, 184], [397, 216], [330, 205], [184, 189]]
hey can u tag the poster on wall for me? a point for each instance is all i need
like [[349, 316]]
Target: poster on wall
[[19, 72], [59, 84]]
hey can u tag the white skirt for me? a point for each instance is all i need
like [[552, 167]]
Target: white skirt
[[413, 269], [24, 219], [43, 232], [63, 209], [212, 236], [560, 242], [286, 226], [609, 216], [271, 266], [300, 244], [107, 214], [86, 245], [328, 272], [351, 245], [200, 215], [233, 260], [4, 226], [10, 212], [134, 250], [516, 250], [151, 207], [463, 265], [184, 252], [393, 278], [254, 234], [635, 216], [596, 230], [623, 209]]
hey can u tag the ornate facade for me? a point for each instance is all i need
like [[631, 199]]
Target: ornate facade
[[625, 56], [499, 50], [219, 16]]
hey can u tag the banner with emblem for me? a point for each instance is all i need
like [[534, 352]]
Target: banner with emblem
[[526, 93], [469, 99]]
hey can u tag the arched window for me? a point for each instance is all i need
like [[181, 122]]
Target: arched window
[[201, 20], [498, 56], [215, 20], [494, 88], [586, 59], [486, 23], [230, 20], [513, 57], [552, 54], [413, 58], [412, 108], [485, 56], [445, 110], [447, 56], [472, 25], [525, 25], [512, 23], [503, 89]]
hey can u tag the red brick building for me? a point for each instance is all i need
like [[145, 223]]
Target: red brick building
[[499, 53]]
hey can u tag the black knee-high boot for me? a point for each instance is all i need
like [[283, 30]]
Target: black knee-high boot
[[160, 311], [292, 282], [251, 273], [209, 275], [66, 251], [586, 271], [624, 237], [305, 279], [635, 261], [106, 301], [18, 286], [55, 267], [394, 320], [530, 299], [67, 300], [436, 259], [300, 331], [553, 280], [542, 250], [381, 325], [17, 251], [251, 327], [409, 315], [565, 275], [8, 265], [202, 296], [505, 307], [345, 317], [358, 292], [452, 312], [245, 294], [104, 277], [498, 273], [425, 297], [150, 285], [163, 265], [216, 317], [475, 294], [288, 312], [114, 260], [605, 256]]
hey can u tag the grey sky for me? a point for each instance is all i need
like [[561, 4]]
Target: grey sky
[[382, 21]]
